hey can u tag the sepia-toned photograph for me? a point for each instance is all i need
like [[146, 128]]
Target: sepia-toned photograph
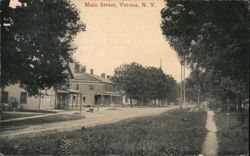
[[124, 77]]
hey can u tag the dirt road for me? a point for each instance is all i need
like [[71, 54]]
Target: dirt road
[[103, 116]]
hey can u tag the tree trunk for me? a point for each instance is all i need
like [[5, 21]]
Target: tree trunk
[[198, 97], [236, 104], [227, 109], [2, 89], [39, 102]]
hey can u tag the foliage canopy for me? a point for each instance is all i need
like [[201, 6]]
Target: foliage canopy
[[145, 83], [36, 43], [213, 37]]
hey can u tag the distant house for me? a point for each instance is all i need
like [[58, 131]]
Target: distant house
[[126, 100], [96, 90]]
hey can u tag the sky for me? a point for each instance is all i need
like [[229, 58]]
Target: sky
[[119, 35], [115, 36]]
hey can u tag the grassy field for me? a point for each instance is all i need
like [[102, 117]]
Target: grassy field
[[5, 116], [38, 121], [233, 134], [173, 133]]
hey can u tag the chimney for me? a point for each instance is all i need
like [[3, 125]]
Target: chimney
[[92, 71], [103, 75], [77, 67]]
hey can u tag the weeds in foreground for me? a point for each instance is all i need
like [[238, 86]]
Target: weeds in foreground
[[166, 134]]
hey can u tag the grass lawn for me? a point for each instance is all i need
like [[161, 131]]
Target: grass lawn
[[233, 137], [38, 121], [5, 116], [173, 133], [38, 111]]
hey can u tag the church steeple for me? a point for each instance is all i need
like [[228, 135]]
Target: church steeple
[[161, 63]]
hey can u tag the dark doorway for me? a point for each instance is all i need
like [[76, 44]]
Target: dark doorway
[[98, 99]]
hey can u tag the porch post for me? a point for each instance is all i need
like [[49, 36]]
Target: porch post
[[72, 101], [102, 99], [110, 99], [77, 98], [67, 99], [80, 103], [55, 104]]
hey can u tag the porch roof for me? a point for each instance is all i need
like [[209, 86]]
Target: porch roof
[[110, 93], [68, 91]]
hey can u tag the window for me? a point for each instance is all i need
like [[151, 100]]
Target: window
[[74, 99], [91, 87], [23, 98], [77, 86], [5, 97], [83, 99]]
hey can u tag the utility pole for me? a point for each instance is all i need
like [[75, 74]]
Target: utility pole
[[181, 88], [80, 103], [198, 87], [161, 63]]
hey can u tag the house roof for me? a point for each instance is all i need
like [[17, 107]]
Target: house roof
[[98, 78]]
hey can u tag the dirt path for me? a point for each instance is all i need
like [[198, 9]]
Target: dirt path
[[210, 145], [103, 116]]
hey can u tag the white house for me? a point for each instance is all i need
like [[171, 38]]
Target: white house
[[13, 96]]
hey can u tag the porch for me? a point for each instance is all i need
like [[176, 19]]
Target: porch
[[108, 99], [68, 99]]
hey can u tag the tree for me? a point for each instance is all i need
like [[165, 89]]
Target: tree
[[172, 89], [36, 43], [213, 37], [195, 89], [145, 83], [129, 78], [156, 84]]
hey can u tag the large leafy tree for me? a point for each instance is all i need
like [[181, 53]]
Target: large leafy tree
[[213, 37], [156, 83], [129, 78], [172, 89], [36, 43], [145, 83], [160, 86]]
